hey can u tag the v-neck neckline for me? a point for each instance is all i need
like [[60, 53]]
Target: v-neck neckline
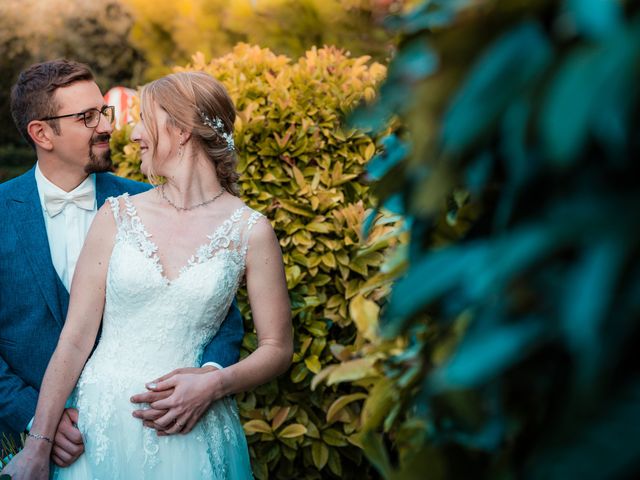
[[132, 212]]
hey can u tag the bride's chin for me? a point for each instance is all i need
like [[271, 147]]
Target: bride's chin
[[144, 166]]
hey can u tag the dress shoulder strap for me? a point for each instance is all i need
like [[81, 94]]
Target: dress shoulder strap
[[250, 217], [114, 202], [253, 218], [123, 210]]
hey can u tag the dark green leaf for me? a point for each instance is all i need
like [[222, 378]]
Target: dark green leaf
[[485, 354], [592, 82], [596, 18], [508, 67], [587, 302], [376, 453], [394, 151], [426, 15], [415, 61], [477, 269]]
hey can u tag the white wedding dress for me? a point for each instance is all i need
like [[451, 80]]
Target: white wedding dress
[[151, 326]]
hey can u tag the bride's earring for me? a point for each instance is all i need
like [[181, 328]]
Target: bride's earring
[[180, 151]]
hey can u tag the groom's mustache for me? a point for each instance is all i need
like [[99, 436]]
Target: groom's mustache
[[105, 137]]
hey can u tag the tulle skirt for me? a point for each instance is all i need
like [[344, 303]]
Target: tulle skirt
[[119, 447]]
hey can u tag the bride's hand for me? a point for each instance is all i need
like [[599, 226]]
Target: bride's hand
[[178, 400], [31, 463]]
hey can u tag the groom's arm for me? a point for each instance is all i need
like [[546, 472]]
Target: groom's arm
[[18, 405], [224, 348], [17, 399]]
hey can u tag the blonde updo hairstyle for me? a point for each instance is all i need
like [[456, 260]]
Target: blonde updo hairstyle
[[184, 95]]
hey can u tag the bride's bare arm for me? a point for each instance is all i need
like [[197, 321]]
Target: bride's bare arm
[[75, 344], [271, 311]]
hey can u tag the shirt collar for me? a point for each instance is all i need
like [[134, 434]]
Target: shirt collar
[[46, 185]]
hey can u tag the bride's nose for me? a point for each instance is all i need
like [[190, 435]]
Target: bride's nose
[[136, 133]]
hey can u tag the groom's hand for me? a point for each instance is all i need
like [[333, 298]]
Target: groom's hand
[[177, 400], [150, 414], [67, 443]]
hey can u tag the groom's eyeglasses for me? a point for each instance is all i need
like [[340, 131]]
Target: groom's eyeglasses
[[91, 117]]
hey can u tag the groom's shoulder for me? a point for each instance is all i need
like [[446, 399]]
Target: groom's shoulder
[[123, 185]]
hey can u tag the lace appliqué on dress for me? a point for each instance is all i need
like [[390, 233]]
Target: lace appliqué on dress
[[226, 237]]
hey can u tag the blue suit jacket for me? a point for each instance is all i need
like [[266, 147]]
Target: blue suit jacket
[[33, 300]]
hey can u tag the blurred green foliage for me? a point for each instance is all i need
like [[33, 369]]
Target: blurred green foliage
[[294, 26], [168, 33], [521, 327], [305, 171], [15, 161]]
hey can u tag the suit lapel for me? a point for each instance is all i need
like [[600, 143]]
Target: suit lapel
[[106, 187], [32, 233]]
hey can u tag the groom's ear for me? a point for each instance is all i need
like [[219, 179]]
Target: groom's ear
[[40, 132]]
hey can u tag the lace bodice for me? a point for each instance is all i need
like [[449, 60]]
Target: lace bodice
[[156, 324]]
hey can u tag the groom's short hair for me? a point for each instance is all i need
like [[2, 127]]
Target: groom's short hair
[[33, 94]]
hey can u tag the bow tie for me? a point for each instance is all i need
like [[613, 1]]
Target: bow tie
[[83, 197]]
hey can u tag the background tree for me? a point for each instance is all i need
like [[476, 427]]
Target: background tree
[[15, 40], [169, 33], [293, 26], [91, 32]]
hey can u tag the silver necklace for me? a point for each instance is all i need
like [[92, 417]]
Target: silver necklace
[[186, 209]]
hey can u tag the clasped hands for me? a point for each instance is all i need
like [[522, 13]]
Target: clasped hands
[[176, 400]]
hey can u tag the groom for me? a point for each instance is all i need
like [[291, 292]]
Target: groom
[[46, 213]]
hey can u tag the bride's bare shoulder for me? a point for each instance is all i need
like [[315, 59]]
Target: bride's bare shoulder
[[144, 197]]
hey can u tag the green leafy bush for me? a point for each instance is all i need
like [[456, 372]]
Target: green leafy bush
[[305, 172], [521, 334]]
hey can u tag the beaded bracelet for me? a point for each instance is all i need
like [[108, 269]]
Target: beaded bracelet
[[39, 437]]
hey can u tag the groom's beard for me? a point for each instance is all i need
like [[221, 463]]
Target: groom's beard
[[99, 162]]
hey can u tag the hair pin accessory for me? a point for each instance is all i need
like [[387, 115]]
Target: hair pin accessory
[[217, 126]]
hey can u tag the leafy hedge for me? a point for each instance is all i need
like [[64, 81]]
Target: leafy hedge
[[305, 172], [522, 324]]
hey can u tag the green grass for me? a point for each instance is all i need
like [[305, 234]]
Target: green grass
[[8, 448]]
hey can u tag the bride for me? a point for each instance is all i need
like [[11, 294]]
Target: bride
[[160, 269]]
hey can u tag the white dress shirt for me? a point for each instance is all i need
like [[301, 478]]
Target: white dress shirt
[[66, 231]]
